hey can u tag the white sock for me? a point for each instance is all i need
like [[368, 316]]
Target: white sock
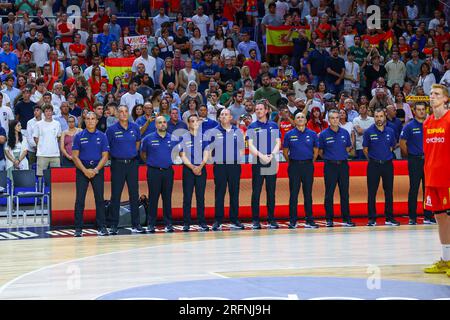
[[446, 252]]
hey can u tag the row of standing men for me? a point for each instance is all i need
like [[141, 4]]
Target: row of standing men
[[224, 146]]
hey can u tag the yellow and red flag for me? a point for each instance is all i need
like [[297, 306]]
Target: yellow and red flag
[[119, 67], [276, 42], [375, 39]]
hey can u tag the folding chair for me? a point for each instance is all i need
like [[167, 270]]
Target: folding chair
[[46, 184], [26, 179]]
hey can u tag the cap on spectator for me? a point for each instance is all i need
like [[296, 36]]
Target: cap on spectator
[[188, 20], [33, 25]]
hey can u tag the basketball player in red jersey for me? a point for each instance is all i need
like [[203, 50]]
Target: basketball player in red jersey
[[436, 147]]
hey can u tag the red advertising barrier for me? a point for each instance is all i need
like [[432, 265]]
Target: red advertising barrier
[[63, 193]]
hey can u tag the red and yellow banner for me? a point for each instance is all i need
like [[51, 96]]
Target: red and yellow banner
[[119, 67], [276, 42], [375, 39]]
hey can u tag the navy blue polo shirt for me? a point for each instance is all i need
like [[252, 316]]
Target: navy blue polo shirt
[[225, 145], [264, 135], [208, 124], [318, 62], [171, 127], [301, 144], [91, 145], [413, 134], [396, 125], [159, 149], [122, 143], [193, 147], [2, 151], [335, 144], [379, 142]]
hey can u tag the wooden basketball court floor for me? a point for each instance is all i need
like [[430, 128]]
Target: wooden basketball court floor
[[163, 265]]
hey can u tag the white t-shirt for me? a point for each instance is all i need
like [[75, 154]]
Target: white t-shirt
[[6, 100], [300, 89], [31, 124], [149, 63], [40, 53], [351, 68], [348, 126], [281, 8], [88, 72], [201, 23], [56, 102], [212, 110], [364, 124], [426, 82], [227, 53], [6, 114], [48, 133], [131, 100]]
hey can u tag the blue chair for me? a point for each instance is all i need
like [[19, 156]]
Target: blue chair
[[26, 179], [5, 193]]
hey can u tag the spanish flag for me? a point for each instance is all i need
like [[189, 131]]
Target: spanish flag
[[276, 42], [375, 39], [119, 67]]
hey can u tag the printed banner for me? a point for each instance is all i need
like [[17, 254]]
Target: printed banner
[[418, 98], [136, 42]]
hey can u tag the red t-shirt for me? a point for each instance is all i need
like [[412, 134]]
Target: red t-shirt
[[436, 147], [324, 26], [441, 40], [64, 28], [78, 48], [100, 23], [285, 126], [254, 66]]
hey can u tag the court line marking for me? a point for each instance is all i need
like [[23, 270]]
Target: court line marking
[[9, 283]]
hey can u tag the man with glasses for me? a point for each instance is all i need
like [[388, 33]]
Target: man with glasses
[[90, 153], [157, 153]]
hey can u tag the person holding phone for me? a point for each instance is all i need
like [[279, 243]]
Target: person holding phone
[[146, 122]]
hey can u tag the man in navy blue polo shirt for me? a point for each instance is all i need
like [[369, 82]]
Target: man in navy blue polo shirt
[[334, 145], [175, 125], [264, 141], [206, 122], [226, 147], [411, 144], [157, 152], [124, 140], [146, 122], [378, 143], [194, 156], [300, 149], [317, 61], [395, 124], [90, 153]]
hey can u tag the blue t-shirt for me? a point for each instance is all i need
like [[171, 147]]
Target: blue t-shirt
[[91, 145], [334, 144], [396, 125], [225, 145], [206, 70], [264, 135], [379, 143], [159, 150], [10, 59], [193, 147], [176, 129], [122, 142], [141, 122], [301, 144], [105, 43], [413, 134]]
